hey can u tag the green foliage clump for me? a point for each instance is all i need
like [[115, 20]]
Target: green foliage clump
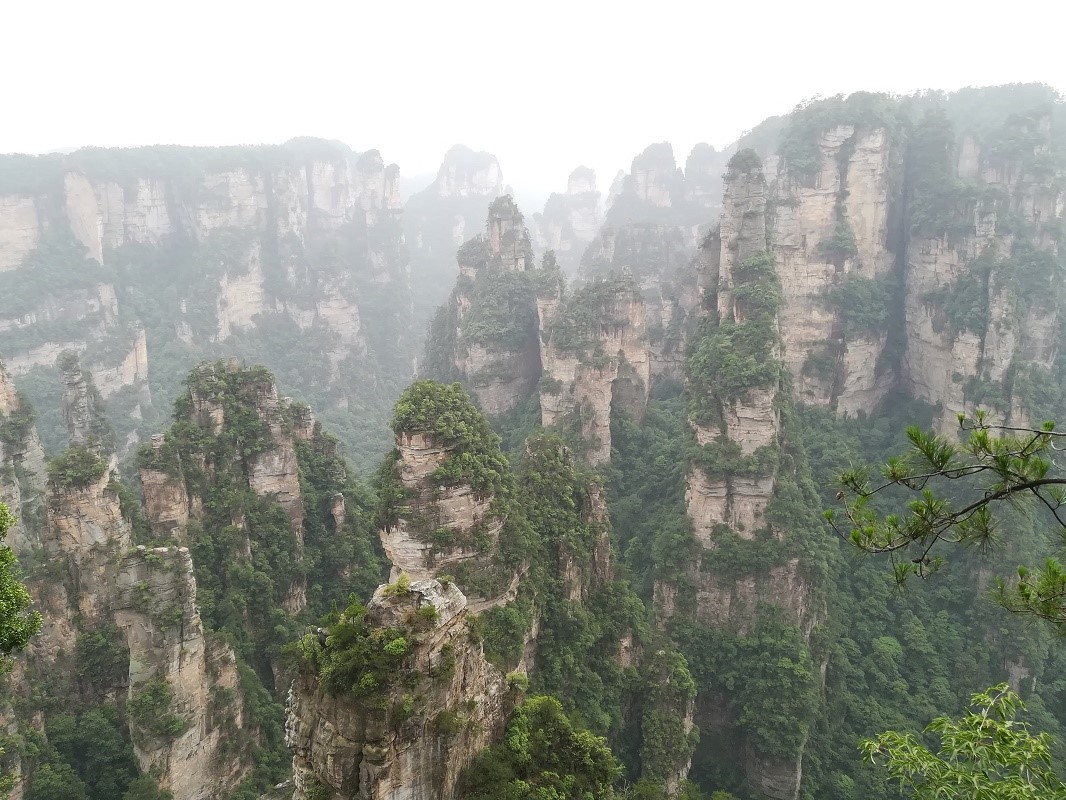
[[938, 201], [93, 745], [731, 357], [666, 746], [841, 244], [357, 658], [76, 468], [863, 304], [768, 678], [746, 160], [151, 706], [503, 630], [18, 623], [56, 781], [15, 426], [446, 414], [723, 458], [986, 753], [588, 310], [503, 314], [543, 756]]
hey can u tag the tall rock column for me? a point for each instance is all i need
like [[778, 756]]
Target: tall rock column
[[82, 407], [86, 530], [410, 735], [185, 707], [745, 578], [396, 699], [444, 517], [486, 335], [735, 411]]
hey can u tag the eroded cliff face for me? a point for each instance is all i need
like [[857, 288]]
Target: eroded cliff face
[[736, 470], [836, 227], [443, 529], [248, 445], [87, 532], [981, 299], [457, 704], [194, 741], [205, 251], [595, 357]]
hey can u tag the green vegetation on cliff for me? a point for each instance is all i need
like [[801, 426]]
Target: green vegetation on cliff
[[544, 756], [735, 355]]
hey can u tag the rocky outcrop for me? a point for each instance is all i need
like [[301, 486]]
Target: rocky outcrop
[[703, 178], [251, 241], [595, 357], [190, 735], [382, 749], [833, 228], [466, 173], [130, 372], [749, 421], [441, 530], [82, 409], [167, 505], [734, 471], [19, 229], [236, 404], [273, 472]]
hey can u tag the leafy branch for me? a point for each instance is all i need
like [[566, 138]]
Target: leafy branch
[[957, 489]]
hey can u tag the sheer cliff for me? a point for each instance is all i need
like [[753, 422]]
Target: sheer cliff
[[147, 261]]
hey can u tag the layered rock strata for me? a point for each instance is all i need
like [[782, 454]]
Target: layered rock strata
[[441, 530]]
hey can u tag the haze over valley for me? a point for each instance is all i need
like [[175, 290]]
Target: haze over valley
[[471, 437]]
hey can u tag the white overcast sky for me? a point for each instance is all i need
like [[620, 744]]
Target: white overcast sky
[[543, 84]]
